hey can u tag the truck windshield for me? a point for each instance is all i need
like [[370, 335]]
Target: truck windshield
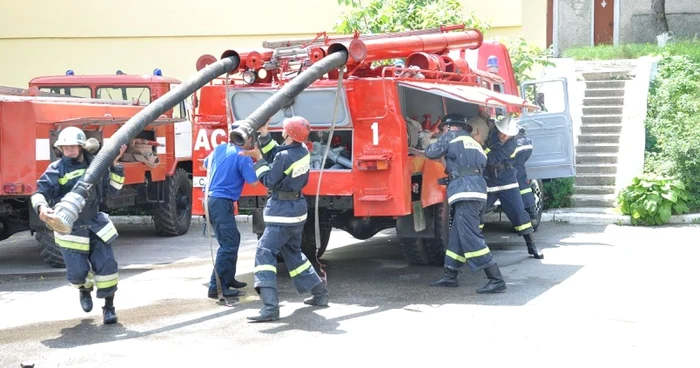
[[142, 95], [68, 91]]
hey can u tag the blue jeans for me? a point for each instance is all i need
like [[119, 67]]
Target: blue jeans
[[224, 223]]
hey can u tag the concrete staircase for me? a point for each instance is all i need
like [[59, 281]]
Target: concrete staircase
[[599, 142]]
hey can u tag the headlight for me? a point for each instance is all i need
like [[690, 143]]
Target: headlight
[[249, 76]]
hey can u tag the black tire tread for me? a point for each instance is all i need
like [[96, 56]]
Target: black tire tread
[[414, 251], [165, 214], [50, 252], [308, 241], [538, 220], [437, 246]]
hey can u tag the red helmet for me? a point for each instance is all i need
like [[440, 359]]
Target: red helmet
[[297, 128]]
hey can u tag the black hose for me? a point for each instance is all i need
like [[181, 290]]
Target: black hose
[[138, 122], [68, 209], [337, 57]]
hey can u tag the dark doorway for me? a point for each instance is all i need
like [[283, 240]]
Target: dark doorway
[[603, 21]]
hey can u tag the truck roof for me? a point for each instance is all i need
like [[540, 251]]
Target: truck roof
[[72, 80]]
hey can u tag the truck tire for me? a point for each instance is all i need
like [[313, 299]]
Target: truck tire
[[437, 246], [536, 186], [173, 217], [308, 241], [50, 252], [414, 251]]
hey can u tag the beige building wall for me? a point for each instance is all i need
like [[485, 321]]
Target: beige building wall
[[47, 37]]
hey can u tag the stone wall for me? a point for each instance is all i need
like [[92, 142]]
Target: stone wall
[[575, 19], [635, 19]]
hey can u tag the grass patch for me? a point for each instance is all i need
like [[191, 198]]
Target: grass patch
[[688, 47]]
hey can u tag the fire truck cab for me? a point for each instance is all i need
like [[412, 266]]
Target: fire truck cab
[[157, 170], [370, 181]]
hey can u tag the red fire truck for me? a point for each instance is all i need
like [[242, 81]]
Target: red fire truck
[[30, 120], [393, 91]]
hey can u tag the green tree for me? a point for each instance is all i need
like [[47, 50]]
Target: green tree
[[383, 16]]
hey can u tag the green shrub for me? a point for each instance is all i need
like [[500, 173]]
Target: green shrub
[[673, 124], [652, 199], [558, 192]]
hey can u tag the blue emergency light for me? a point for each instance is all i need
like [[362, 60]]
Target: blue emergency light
[[158, 72], [120, 72], [70, 72], [492, 64]]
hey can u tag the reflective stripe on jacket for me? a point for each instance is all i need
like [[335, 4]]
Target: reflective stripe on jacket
[[462, 154], [284, 171], [59, 179], [501, 154]]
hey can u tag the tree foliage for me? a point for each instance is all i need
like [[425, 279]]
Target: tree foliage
[[383, 16]]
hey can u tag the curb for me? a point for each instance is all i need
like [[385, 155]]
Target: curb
[[571, 217], [148, 220], [593, 218]]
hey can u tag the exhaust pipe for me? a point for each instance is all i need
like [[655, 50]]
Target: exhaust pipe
[[337, 57], [67, 210]]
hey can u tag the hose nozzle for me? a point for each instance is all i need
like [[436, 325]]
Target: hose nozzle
[[65, 213], [245, 129]]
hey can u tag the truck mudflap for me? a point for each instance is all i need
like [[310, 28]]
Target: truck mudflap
[[420, 223]]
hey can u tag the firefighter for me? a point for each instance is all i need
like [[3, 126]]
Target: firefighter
[[284, 170], [465, 161], [228, 172], [502, 182], [87, 250], [523, 151]]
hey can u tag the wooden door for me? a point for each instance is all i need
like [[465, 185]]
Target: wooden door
[[603, 22]]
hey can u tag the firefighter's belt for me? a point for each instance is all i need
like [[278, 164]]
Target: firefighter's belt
[[499, 167], [465, 171], [285, 195]]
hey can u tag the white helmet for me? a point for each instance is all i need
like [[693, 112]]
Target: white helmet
[[71, 136], [508, 126]]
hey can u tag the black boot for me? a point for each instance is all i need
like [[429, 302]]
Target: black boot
[[238, 284], [270, 310], [109, 315], [85, 299], [531, 248], [449, 279], [495, 284], [320, 296]]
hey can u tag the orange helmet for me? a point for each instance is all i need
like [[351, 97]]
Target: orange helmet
[[297, 128]]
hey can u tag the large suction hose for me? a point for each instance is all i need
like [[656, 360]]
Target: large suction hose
[[337, 57], [67, 211]]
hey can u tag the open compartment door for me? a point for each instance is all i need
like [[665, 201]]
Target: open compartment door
[[550, 129]]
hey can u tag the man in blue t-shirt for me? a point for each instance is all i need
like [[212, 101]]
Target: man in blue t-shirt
[[228, 173]]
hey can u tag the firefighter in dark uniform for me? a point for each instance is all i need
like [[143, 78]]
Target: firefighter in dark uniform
[[523, 151], [284, 170], [465, 161], [87, 250], [502, 182]]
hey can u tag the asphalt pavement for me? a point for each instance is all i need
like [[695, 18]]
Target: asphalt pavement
[[603, 295]]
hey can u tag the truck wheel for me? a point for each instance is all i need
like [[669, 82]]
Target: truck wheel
[[414, 251], [50, 252], [536, 186], [308, 241], [438, 245], [173, 216]]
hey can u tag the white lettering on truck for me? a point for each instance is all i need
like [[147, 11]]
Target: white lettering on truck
[[208, 143]]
